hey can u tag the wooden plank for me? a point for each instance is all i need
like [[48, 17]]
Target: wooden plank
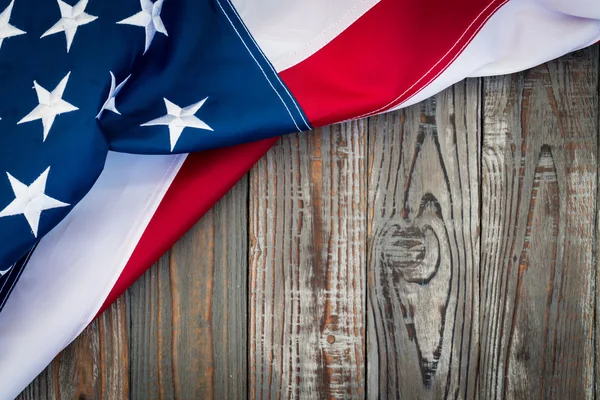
[[307, 266], [94, 366], [596, 255], [423, 247], [539, 201], [189, 312]]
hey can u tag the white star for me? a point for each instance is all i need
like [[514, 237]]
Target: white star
[[109, 104], [177, 119], [72, 17], [6, 29], [30, 200], [148, 18], [50, 105]]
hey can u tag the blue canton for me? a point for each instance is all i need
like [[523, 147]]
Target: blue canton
[[80, 78]]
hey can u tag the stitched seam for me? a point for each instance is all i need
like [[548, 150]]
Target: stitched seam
[[259, 66], [16, 278], [136, 224], [13, 268], [14, 283], [6, 281], [8, 276], [392, 103], [319, 37], [451, 61], [270, 65]]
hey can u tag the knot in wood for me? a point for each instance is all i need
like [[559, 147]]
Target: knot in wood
[[411, 253]]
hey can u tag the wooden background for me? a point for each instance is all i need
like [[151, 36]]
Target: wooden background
[[447, 250]]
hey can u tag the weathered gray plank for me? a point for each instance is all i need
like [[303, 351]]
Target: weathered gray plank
[[189, 312], [307, 266], [529, 307], [94, 366], [539, 200], [596, 249], [423, 247]]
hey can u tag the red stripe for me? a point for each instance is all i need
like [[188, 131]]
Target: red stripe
[[387, 56], [202, 180]]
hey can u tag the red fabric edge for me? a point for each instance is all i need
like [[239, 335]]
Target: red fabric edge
[[202, 180]]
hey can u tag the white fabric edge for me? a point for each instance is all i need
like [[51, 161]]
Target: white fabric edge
[[66, 282], [520, 35]]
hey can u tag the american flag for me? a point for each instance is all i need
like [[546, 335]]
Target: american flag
[[137, 77], [102, 101]]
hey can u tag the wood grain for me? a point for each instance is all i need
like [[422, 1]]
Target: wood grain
[[539, 200], [424, 245], [189, 311], [94, 366], [307, 266], [467, 225]]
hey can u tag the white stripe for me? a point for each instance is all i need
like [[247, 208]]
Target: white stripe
[[290, 31], [76, 265], [520, 35]]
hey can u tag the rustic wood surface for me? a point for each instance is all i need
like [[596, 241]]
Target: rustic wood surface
[[424, 247], [539, 170], [307, 268], [447, 250]]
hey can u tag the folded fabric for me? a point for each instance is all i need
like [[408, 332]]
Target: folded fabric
[[171, 77]]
